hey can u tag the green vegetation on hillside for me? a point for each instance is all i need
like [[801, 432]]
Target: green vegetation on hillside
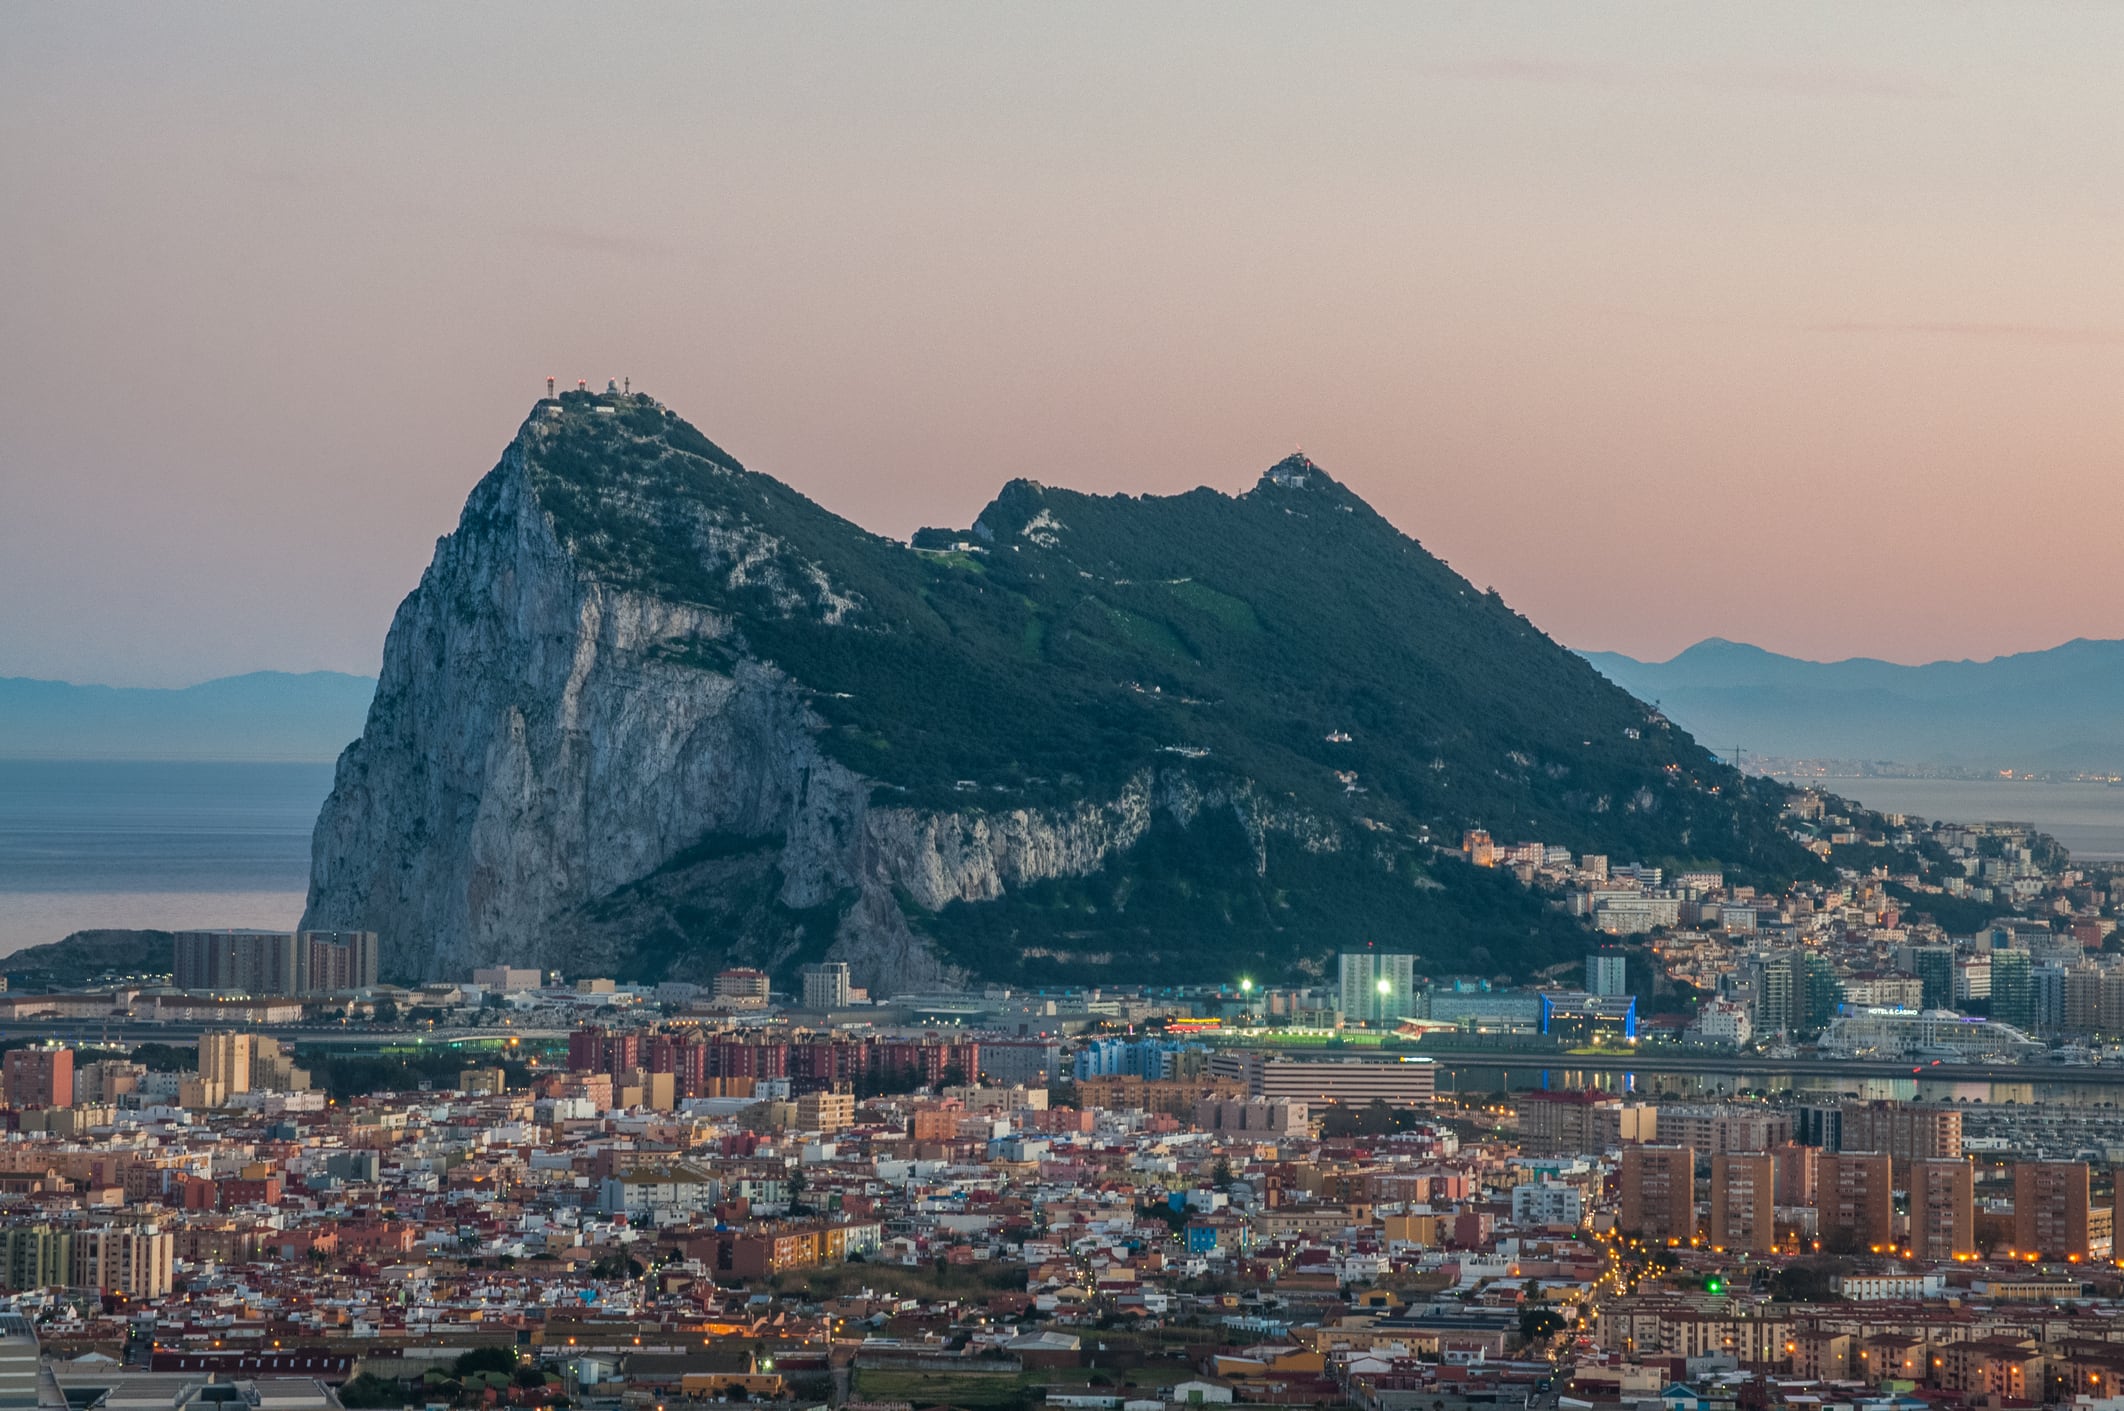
[[89, 957], [1287, 646]]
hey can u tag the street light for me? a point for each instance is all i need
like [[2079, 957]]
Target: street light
[[1386, 987], [1246, 987]]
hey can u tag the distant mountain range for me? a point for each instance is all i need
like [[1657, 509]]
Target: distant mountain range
[[266, 715], [2049, 710]]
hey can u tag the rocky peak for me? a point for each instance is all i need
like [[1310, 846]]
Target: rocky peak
[[1293, 472], [650, 713]]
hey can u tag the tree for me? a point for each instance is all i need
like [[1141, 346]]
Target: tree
[[369, 1390], [165, 1058], [1802, 1283], [1538, 1323], [485, 1359]]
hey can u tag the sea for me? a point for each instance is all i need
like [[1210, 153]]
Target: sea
[[169, 846], [2087, 818]]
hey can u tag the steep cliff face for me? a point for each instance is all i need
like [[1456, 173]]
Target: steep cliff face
[[651, 713], [542, 741]]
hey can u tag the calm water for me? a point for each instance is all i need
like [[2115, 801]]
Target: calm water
[[168, 845], [2087, 818]]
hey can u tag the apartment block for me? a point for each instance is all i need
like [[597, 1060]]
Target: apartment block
[[827, 986], [1744, 1202], [1798, 1173], [39, 1077], [1854, 1200], [1579, 1122], [226, 1059], [1906, 1131], [1942, 1209], [275, 962], [2051, 1209], [1659, 1192], [826, 1112]]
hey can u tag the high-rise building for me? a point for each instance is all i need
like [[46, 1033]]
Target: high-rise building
[[1907, 1131], [742, 988], [39, 1077], [1934, 967], [1607, 973], [2083, 999], [1744, 1202], [107, 1080], [225, 1058], [1577, 1123], [1854, 1201], [275, 962], [1376, 987], [1712, 1128], [826, 985], [1777, 984], [36, 1256], [825, 1111], [2013, 989], [2111, 1020], [2050, 1207], [1798, 1173], [132, 1260], [334, 961], [1942, 1209], [273, 1069], [1821, 1127], [1822, 991], [2046, 1003], [1659, 1192]]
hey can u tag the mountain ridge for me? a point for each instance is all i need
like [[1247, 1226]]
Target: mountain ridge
[[2046, 709], [258, 715], [654, 712]]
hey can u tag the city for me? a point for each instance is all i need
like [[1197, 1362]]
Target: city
[[346, 1193], [1002, 707]]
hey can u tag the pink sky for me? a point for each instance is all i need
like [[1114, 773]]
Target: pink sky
[[1798, 325]]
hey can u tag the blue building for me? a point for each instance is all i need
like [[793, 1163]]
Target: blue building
[[1583, 1018]]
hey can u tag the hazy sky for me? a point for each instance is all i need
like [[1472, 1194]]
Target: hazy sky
[[1802, 325]]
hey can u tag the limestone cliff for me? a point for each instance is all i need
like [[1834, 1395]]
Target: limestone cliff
[[651, 713], [541, 740]]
